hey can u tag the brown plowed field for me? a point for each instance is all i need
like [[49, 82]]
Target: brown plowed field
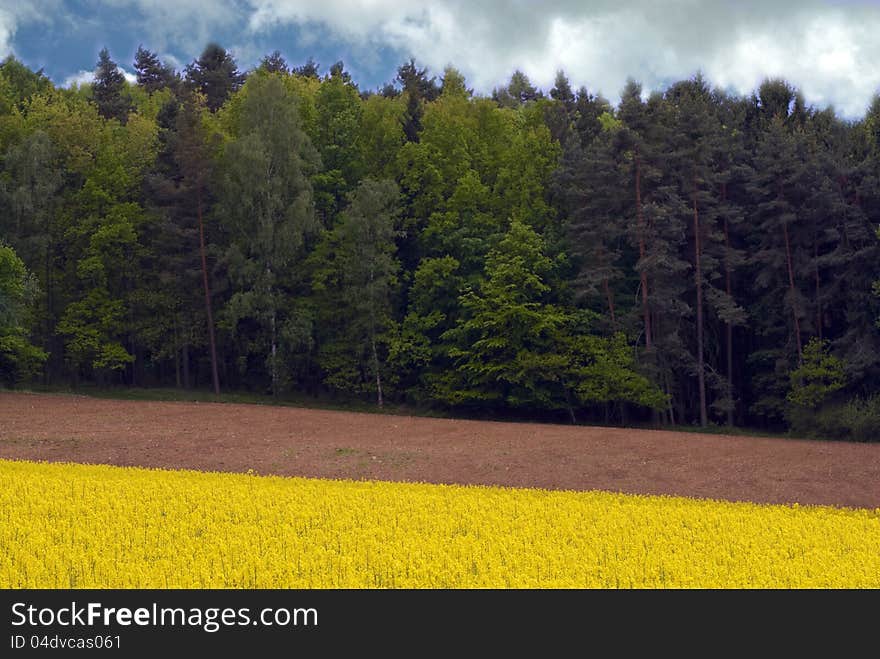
[[308, 442]]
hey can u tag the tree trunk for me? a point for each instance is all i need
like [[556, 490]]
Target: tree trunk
[[274, 355], [728, 325], [797, 324], [818, 289], [132, 345], [185, 351], [643, 277], [571, 408], [176, 361], [209, 315], [47, 337], [376, 368], [610, 300], [698, 282], [669, 394]]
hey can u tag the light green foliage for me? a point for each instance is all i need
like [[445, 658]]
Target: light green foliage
[[336, 137], [19, 359], [357, 274], [513, 348], [90, 326], [267, 208], [604, 370], [453, 83], [609, 122], [533, 241], [819, 375], [381, 134], [525, 170], [97, 228]]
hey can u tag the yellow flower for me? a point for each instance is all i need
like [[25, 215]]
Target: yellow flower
[[85, 526]]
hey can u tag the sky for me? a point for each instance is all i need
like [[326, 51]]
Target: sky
[[830, 49]]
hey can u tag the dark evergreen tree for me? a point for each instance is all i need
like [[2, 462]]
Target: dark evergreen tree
[[152, 74], [307, 70], [419, 89], [108, 89], [178, 194], [214, 74], [519, 90], [274, 63], [563, 93]]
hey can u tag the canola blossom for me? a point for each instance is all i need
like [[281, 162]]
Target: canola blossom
[[85, 526]]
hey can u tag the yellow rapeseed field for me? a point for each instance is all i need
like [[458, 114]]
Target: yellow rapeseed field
[[95, 526]]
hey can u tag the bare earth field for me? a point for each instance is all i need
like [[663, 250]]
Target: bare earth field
[[317, 443]]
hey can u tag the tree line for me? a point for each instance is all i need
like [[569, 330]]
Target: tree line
[[688, 256]]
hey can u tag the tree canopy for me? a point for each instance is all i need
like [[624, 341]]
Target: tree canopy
[[682, 257]]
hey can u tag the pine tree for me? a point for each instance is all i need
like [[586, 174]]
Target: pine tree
[[519, 91], [656, 227], [274, 63], [178, 191], [307, 70], [589, 185], [214, 74], [559, 115], [779, 184], [563, 93], [730, 155], [152, 74], [419, 89], [108, 89]]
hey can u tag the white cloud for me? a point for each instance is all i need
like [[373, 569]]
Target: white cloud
[[14, 12], [84, 77], [830, 50], [79, 78], [182, 23]]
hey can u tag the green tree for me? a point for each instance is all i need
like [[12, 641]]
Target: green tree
[[152, 74], [178, 194], [778, 184], [336, 137], [215, 74], [819, 375], [275, 63], [453, 83], [19, 358], [418, 89], [308, 70], [513, 348], [267, 209], [519, 90], [31, 190], [381, 135], [19, 84], [358, 276], [109, 89]]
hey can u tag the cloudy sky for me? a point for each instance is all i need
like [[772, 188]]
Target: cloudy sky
[[828, 48]]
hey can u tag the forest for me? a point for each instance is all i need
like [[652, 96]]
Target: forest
[[688, 257]]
